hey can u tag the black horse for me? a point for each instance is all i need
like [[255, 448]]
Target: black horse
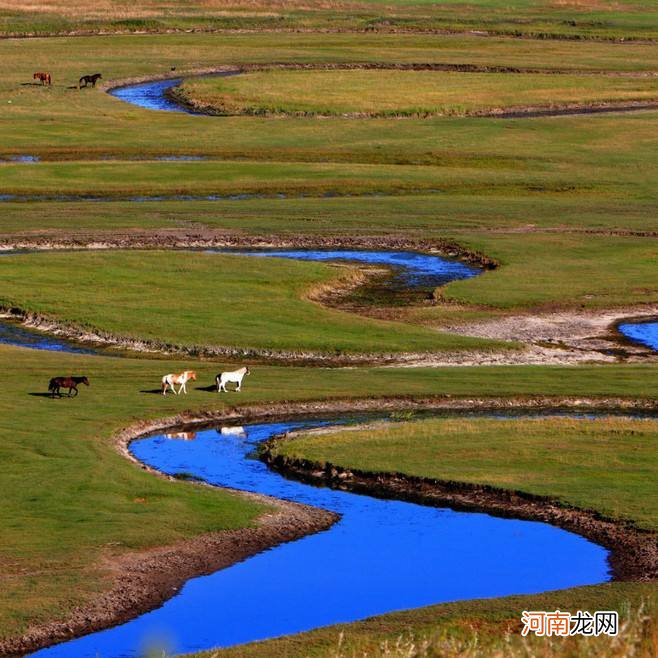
[[89, 79], [56, 383]]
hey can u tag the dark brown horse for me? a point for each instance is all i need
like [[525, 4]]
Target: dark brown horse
[[44, 77], [89, 79], [56, 383]]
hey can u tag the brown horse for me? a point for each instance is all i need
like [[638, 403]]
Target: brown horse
[[89, 79], [44, 77], [66, 382]]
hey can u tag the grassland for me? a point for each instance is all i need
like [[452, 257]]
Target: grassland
[[544, 19], [475, 629], [608, 464], [406, 93], [210, 300], [568, 207], [263, 304], [69, 499]]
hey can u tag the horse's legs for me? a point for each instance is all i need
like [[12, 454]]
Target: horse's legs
[[71, 389], [182, 388]]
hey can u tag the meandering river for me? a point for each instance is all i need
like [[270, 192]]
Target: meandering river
[[410, 270], [382, 555]]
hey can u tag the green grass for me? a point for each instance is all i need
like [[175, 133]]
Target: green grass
[[476, 629], [609, 465], [541, 19], [233, 301], [414, 216], [406, 93], [69, 497], [206, 299]]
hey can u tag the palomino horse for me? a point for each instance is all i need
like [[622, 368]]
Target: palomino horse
[[170, 381], [66, 382], [44, 77], [235, 377], [89, 79]]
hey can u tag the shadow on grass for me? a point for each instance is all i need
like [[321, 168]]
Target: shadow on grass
[[153, 391], [211, 388]]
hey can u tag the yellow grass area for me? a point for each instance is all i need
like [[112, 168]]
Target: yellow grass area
[[410, 93], [122, 9]]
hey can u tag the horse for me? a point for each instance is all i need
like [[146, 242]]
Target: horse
[[44, 77], [89, 79], [56, 383], [234, 376], [169, 381]]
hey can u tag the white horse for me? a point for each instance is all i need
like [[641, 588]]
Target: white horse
[[170, 381], [235, 377]]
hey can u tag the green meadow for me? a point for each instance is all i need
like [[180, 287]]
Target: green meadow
[[606, 464], [407, 93], [71, 502], [584, 19], [566, 206]]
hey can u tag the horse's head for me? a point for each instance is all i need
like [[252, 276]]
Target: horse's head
[[191, 375], [85, 381], [247, 371], [35, 76]]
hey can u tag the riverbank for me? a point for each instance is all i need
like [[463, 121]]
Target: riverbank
[[145, 580]]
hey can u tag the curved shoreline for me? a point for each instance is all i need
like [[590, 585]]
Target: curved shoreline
[[204, 109], [143, 581], [633, 551], [562, 338]]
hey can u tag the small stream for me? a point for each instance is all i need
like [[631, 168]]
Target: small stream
[[410, 270], [382, 555]]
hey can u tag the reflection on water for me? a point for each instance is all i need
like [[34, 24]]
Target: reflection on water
[[645, 333], [382, 555], [185, 436]]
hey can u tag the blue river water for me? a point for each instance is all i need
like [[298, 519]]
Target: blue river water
[[645, 333], [382, 555], [15, 334], [152, 96], [412, 270]]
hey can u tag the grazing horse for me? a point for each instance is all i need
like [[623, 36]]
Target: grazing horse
[[170, 381], [56, 383], [44, 77], [235, 376], [89, 79]]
